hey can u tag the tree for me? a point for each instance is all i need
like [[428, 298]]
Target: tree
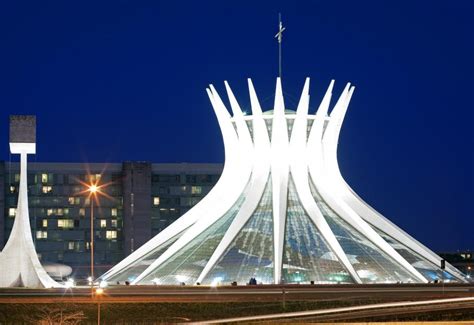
[[55, 316]]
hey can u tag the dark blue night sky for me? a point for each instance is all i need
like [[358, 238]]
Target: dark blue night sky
[[125, 80]]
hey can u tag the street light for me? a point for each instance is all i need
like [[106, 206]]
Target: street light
[[93, 189], [98, 293], [70, 283], [93, 192]]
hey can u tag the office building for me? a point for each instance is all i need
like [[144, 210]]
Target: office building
[[141, 200]]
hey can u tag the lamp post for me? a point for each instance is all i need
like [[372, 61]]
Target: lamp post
[[98, 292], [93, 191]]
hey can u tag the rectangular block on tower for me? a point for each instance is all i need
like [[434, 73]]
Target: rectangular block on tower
[[23, 134]]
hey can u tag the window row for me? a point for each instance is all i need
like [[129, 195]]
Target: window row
[[109, 234], [182, 189], [175, 178], [71, 223], [63, 212], [182, 201], [49, 178]]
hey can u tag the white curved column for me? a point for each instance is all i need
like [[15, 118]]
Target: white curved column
[[260, 172], [378, 220], [300, 173], [366, 212], [329, 188], [279, 169], [315, 147], [207, 203], [353, 202], [19, 262], [239, 174]]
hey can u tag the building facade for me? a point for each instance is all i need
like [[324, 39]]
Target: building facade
[[462, 260], [140, 200]]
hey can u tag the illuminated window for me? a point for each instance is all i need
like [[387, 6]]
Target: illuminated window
[[196, 190], [12, 189], [40, 234], [11, 212], [156, 200], [88, 245], [70, 245], [111, 234], [82, 212], [44, 178], [47, 189], [71, 200], [57, 212], [113, 212], [94, 177], [65, 223], [87, 201], [45, 223], [113, 223], [103, 223], [17, 178]]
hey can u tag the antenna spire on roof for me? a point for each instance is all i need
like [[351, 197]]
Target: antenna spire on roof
[[278, 36]]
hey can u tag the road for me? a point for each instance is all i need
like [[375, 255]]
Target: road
[[349, 313], [143, 294]]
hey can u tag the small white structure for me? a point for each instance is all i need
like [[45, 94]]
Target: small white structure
[[19, 263], [281, 211], [57, 271]]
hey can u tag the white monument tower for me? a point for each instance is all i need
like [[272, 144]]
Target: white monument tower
[[19, 263]]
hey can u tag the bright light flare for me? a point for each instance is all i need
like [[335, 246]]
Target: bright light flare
[[181, 278], [216, 281], [99, 291], [69, 283], [94, 189]]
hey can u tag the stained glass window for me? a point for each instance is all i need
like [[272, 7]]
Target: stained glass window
[[250, 255], [306, 256], [186, 265], [370, 262]]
